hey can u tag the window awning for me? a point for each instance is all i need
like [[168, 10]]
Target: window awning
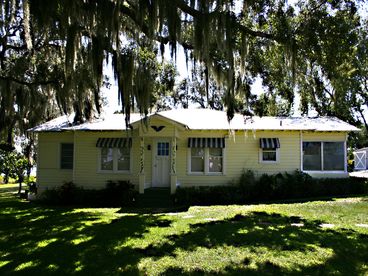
[[201, 142], [269, 143], [114, 142]]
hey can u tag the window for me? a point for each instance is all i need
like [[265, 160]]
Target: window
[[205, 155], [269, 150], [107, 159], [163, 148], [206, 160], [197, 160], [269, 155], [123, 156], [312, 156], [323, 156], [66, 156], [115, 159], [215, 160], [114, 154]]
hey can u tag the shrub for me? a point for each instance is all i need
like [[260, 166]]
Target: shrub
[[115, 194], [294, 185]]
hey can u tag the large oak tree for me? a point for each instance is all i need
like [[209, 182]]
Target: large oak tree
[[52, 55]]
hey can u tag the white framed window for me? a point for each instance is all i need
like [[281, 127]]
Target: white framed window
[[324, 156], [114, 155], [206, 156], [269, 155], [269, 150], [206, 160], [197, 160], [115, 160]]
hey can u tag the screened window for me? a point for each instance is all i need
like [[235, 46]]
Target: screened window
[[66, 156], [197, 159], [333, 156], [115, 159], [312, 156], [269, 155], [107, 159], [206, 160], [123, 159], [323, 156], [215, 160]]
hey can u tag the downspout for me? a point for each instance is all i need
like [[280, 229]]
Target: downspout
[[346, 154], [74, 156], [301, 150]]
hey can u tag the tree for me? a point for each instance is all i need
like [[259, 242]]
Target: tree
[[52, 53], [12, 164]]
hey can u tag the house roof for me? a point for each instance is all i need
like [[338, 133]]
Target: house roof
[[202, 119]]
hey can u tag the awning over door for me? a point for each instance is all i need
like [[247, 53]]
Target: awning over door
[[201, 142], [114, 142], [269, 143]]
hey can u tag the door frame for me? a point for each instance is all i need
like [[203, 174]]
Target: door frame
[[155, 141]]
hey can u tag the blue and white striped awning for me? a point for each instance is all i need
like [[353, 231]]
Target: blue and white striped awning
[[269, 143], [206, 142], [114, 142]]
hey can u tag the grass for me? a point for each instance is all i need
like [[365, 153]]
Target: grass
[[323, 237]]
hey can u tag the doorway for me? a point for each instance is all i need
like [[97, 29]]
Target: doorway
[[161, 164]]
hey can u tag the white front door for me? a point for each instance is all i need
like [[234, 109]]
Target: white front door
[[360, 160], [161, 164]]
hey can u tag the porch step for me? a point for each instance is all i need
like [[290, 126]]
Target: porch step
[[155, 197]]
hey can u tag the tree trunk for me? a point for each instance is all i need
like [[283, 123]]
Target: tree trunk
[[20, 180]]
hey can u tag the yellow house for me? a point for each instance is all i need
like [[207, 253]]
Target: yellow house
[[187, 147]]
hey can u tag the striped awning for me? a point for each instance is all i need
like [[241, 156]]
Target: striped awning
[[269, 143], [114, 142], [206, 142]]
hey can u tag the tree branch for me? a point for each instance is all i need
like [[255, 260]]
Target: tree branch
[[22, 82]]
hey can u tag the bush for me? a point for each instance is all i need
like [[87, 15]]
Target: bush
[[115, 194], [280, 186]]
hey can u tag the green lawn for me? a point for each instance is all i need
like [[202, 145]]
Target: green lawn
[[325, 237]]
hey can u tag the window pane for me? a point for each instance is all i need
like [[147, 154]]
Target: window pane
[[312, 156], [197, 160], [269, 155], [106, 159], [163, 148], [66, 156], [123, 156], [333, 156], [215, 160]]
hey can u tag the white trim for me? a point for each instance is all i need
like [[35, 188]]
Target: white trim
[[325, 172]]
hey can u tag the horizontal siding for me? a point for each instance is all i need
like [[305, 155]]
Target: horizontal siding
[[323, 136], [241, 153], [49, 174], [87, 157]]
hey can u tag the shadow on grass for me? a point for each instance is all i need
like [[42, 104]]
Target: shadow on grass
[[279, 234], [39, 240]]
